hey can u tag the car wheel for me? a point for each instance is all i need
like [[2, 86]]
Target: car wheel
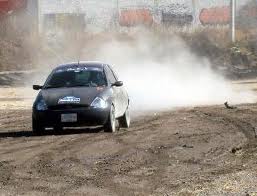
[[124, 121], [37, 128], [58, 129], [111, 123]]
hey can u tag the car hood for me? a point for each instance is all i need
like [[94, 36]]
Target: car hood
[[78, 95]]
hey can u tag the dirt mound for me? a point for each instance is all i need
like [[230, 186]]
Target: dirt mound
[[223, 53]]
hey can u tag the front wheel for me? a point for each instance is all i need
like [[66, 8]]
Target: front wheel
[[58, 129], [110, 126], [37, 128], [124, 121]]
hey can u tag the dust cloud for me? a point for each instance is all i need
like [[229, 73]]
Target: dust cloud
[[160, 72]]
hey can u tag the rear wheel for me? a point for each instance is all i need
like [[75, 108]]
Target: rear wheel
[[37, 128], [110, 126], [124, 121]]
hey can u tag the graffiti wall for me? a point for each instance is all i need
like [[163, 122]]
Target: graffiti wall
[[18, 17], [247, 16], [176, 19], [107, 14], [134, 17], [176, 14], [11, 5], [98, 13], [215, 16]]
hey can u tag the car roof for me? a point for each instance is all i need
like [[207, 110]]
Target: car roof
[[93, 64]]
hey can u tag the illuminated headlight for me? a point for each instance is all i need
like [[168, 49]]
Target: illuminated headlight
[[41, 105], [99, 103]]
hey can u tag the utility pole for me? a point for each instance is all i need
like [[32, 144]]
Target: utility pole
[[157, 13], [196, 7], [233, 20]]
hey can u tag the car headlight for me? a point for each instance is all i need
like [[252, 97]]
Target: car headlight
[[41, 105], [99, 103]]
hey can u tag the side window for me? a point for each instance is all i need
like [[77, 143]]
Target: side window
[[110, 76], [115, 75]]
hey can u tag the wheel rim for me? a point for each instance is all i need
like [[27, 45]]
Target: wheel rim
[[128, 117], [113, 123]]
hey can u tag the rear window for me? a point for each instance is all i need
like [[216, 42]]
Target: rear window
[[76, 77]]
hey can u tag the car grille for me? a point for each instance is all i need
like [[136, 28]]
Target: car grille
[[67, 106]]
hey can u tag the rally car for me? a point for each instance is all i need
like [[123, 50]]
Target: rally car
[[81, 94]]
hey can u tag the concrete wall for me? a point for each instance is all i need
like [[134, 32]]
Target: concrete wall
[[98, 13], [103, 14]]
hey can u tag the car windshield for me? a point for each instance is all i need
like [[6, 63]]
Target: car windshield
[[76, 78]]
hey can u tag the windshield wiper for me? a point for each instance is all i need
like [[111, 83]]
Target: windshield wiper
[[68, 86], [49, 86], [80, 85]]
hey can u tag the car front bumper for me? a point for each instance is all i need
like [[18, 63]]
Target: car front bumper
[[85, 117]]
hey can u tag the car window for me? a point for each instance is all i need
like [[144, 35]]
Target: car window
[[110, 75], [73, 78], [114, 73], [83, 77]]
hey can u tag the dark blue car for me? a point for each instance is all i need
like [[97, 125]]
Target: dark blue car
[[81, 94]]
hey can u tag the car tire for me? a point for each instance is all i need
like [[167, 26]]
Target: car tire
[[110, 126], [58, 129], [37, 128], [124, 121]]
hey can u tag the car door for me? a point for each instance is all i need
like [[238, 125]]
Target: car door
[[116, 90]]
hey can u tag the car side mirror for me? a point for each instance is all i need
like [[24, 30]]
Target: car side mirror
[[37, 87], [118, 84]]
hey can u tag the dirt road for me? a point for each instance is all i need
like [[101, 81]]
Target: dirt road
[[193, 151], [189, 151]]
